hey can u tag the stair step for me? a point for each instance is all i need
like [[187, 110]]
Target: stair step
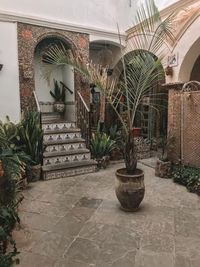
[[62, 136], [58, 125], [60, 148], [76, 130], [50, 116], [65, 153], [64, 141], [63, 173], [54, 161], [68, 165]]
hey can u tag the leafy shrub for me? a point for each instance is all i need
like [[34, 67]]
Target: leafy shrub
[[187, 176], [31, 136], [101, 144], [13, 164]]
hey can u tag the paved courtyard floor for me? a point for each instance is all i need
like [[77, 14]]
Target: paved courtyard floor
[[77, 222]]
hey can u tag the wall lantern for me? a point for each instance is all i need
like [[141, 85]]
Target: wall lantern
[[1, 66]]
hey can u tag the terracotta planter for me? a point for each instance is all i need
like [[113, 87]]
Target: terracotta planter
[[129, 189], [36, 173], [136, 132], [163, 169], [59, 107]]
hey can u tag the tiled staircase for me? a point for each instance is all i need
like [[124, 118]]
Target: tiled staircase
[[66, 153]]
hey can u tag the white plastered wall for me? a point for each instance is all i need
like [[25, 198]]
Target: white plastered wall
[[9, 75]]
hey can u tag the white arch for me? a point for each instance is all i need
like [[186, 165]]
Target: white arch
[[188, 49]]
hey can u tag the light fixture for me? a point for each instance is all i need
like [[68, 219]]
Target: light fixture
[[1, 66]]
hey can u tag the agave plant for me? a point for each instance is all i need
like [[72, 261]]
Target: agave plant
[[136, 74], [58, 94], [101, 144], [31, 135]]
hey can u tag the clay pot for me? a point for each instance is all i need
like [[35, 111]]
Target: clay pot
[[129, 189], [36, 173], [163, 169], [59, 107], [136, 132]]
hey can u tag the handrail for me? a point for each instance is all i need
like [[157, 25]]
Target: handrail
[[83, 119], [88, 110], [36, 101]]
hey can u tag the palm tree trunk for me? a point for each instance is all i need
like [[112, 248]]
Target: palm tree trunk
[[130, 153]]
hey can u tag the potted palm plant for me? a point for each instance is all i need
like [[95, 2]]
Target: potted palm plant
[[139, 71]]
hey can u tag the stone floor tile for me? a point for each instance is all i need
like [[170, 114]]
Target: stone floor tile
[[73, 222], [38, 221], [28, 259], [187, 223], [27, 237], [83, 251], [52, 244], [150, 259]]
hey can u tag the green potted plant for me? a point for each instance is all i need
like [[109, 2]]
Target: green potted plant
[[59, 97], [139, 71], [116, 135], [101, 146], [31, 136], [163, 167]]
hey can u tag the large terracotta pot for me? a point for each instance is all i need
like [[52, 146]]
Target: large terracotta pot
[[129, 189], [59, 107]]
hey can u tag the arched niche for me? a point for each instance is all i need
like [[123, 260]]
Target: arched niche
[[64, 74]]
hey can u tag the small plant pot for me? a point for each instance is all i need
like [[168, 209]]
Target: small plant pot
[[129, 189], [102, 162], [163, 169], [36, 173], [136, 132], [59, 107]]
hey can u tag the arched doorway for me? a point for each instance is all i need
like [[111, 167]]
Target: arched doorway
[[63, 75]]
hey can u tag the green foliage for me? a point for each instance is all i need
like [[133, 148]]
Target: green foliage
[[116, 135], [58, 94], [101, 144], [187, 176], [31, 135], [13, 167], [166, 144]]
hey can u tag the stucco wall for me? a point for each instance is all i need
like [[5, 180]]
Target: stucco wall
[[9, 75]]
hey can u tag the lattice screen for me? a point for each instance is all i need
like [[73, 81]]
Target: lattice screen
[[190, 128]]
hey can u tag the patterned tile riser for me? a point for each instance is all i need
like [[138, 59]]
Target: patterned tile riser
[[66, 159], [65, 173], [58, 126], [65, 147], [63, 136]]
